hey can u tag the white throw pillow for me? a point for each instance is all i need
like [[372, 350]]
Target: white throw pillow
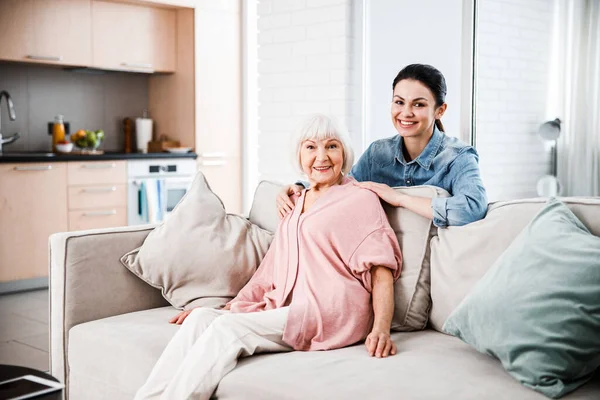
[[200, 256]]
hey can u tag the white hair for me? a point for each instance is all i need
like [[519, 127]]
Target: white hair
[[322, 127]]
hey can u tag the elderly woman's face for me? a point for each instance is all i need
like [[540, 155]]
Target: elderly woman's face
[[322, 161]]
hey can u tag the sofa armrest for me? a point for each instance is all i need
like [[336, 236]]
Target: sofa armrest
[[88, 282]]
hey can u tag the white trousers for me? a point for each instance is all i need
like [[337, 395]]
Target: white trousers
[[207, 347]]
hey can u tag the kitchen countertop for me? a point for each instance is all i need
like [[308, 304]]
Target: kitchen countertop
[[37, 156]]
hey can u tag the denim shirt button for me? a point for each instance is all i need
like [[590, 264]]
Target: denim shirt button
[[408, 181]]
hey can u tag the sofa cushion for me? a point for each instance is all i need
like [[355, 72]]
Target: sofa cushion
[[537, 307], [460, 256], [411, 291], [116, 354], [200, 256], [111, 359]]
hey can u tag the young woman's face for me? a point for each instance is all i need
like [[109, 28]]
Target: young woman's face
[[322, 161], [413, 109]]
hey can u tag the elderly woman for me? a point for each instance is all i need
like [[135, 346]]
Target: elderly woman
[[326, 281]]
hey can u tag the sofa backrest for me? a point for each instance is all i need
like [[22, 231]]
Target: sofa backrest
[[264, 209], [460, 256], [412, 300]]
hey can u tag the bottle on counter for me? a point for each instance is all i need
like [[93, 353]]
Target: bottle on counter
[[58, 131], [127, 130]]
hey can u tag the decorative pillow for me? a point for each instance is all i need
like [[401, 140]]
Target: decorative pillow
[[537, 309], [200, 256], [411, 291]]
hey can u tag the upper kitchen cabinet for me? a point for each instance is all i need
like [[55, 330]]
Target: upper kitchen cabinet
[[49, 32], [133, 38]]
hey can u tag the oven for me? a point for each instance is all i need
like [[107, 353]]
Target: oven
[[155, 187]]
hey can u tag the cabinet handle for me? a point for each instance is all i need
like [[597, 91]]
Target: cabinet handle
[[211, 163], [137, 65], [98, 166], [100, 190], [35, 168], [99, 213], [217, 154], [44, 58]]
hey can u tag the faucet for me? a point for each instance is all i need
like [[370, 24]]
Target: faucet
[[11, 115]]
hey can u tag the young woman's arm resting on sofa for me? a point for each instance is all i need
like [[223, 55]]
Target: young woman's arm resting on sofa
[[379, 343]]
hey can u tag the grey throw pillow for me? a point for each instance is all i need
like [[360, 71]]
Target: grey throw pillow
[[200, 256], [537, 309]]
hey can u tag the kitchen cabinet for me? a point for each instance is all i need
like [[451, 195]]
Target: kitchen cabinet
[[49, 32], [133, 38], [33, 205], [97, 194], [218, 74]]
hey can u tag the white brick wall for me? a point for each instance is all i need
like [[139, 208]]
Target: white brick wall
[[513, 43], [305, 56]]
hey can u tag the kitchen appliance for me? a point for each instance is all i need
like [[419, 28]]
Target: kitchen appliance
[[143, 132], [155, 187]]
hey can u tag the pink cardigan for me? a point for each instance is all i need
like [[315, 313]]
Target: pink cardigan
[[319, 264]]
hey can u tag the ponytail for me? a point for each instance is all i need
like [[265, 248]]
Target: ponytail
[[440, 126]]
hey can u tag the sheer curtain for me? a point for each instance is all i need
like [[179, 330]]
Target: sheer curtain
[[577, 82]]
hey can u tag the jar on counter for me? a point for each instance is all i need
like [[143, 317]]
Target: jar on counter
[[58, 131]]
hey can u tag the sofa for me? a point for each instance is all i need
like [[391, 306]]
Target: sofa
[[108, 327]]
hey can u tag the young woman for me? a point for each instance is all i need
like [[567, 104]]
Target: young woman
[[336, 291], [421, 154]]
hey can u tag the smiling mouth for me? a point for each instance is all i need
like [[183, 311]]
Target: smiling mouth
[[321, 169], [407, 123]]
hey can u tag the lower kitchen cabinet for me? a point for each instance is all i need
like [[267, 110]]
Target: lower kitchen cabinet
[[33, 205], [39, 199], [97, 194], [97, 218]]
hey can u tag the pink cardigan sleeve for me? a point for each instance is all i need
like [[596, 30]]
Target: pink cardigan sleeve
[[379, 248]]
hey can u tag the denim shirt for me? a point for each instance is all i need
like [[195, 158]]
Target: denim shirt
[[446, 162]]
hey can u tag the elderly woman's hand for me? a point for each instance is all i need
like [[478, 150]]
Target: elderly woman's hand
[[284, 203], [179, 318], [384, 192], [380, 344]]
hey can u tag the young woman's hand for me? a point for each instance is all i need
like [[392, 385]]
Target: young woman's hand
[[379, 344], [384, 192], [179, 318], [284, 203], [227, 307]]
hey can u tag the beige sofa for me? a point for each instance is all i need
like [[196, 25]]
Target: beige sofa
[[108, 327]]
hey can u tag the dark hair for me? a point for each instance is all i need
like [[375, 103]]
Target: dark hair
[[428, 76]]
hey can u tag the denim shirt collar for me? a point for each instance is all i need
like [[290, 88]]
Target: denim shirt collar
[[426, 157]]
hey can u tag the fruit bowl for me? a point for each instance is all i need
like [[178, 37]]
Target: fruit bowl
[[87, 140]]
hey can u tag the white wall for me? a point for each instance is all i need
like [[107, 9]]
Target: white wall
[[305, 66], [340, 57], [513, 65], [402, 32], [313, 59]]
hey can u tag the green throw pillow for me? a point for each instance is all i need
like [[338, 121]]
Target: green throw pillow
[[538, 307]]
